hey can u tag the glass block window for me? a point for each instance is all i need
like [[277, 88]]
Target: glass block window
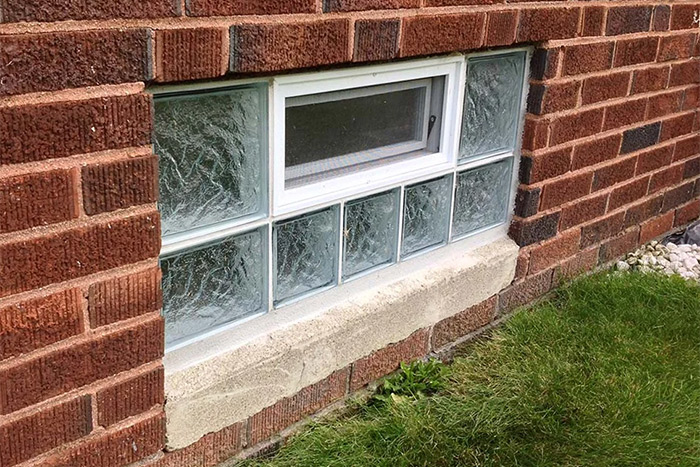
[[364, 168]]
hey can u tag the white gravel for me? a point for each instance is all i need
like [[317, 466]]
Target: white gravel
[[668, 259]]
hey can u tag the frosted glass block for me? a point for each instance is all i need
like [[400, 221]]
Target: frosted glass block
[[213, 285], [212, 157], [482, 197], [492, 104], [305, 253], [370, 232], [426, 215]]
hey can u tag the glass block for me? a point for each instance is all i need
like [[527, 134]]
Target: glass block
[[305, 253], [213, 285], [211, 149], [482, 197], [492, 104], [370, 232], [426, 215]]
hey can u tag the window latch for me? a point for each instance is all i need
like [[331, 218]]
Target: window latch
[[431, 124]]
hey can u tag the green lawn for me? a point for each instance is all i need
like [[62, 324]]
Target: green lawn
[[606, 372]]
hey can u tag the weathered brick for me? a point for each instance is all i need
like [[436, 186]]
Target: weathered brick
[[63, 10], [61, 370], [451, 329], [593, 20], [528, 231], [527, 291], [614, 173], [544, 63], [384, 361], [586, 58], [37, 199], [628, 19], [640, 137], [575, 126], [624, 114], [547, 23], [596, 151], [549, 98], [360, 5], [586, 260], [566, 189], [654, 228], [650, 79], [42, 321], [536, 168], [633, 51], [601, 229], [687, 214], [676, 47], [37, 132], [124, 297], [120, 184], [678, 196], [662, 18], [628, 193], [423, 35], [285, 46], [686, 148], [654, 159], [211, 449], [583, 211], [677, 126], [685, 73], [691, 168], [120, 446], [535, 134], [248, 7], [665, 178], [44, 429], [131, 397], [642, 211], [600, 88], [189, 54], [29, 264], [526, 201], [53, 61], [501, 28], [554, 250], [691, 98], [683, 16], [664, 104], [619, 246], [522, 264], [376, 39]]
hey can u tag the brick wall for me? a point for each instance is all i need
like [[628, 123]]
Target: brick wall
[[611, 159]]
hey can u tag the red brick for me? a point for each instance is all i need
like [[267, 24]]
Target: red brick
[[554, 250], [384, 361], [423, 35], [527, 200], [43, 430], [650, 79], [211, 449], [37, 132], [535, 134], [628, 19], [360, 5], [619, 246], [53, 61], [29, 264], [597, 151], [575, 126], [685, 73], [119, 446], [541, 167], [36, 199], [376, 39], [628, 193], [120, 184], [547, 23], [566, 189], [676, 47], [285, 46], [131, 397], [691, 99], [544, 63], [691, 168], [624, 114], [686, 148], [522, 293], [463, 323], [248, 7], [678, 196], [683, 16], [61, 370], [642, 211], [521, 265], [635, 51], [662, 18], [501, 28], [63, 10], [601, 229], [587, 260], [549, 98], [664, 104], [593, 20], [437, 3], [641, 137], [687, 214], [532, 230], [600, 88], [124, 297], [656, 227], [189, 54], [654, 159], [677, 126], [584, 211], [586, 58], [665, 178], [612, 174], [39, 322]]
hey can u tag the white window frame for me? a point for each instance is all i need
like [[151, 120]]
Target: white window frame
[[286, 200]]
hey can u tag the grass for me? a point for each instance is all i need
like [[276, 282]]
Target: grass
[[605, 373]]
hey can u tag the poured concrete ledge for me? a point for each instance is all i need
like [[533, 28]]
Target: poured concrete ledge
[[236, 373]]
